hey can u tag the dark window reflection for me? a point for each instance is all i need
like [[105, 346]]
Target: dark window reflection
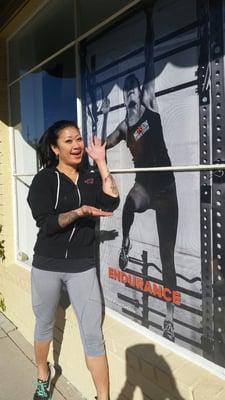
[[15, 104], [92, 12], [47, 32], [44, 96]]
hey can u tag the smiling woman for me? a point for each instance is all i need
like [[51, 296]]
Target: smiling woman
[[69, 150], [64, 199], [60, 145]]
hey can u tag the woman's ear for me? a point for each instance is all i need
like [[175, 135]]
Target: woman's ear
[[55, 149]]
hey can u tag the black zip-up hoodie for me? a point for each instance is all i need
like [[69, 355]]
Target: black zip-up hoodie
[[52, 193]]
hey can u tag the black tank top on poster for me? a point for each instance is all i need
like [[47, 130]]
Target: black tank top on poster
[[146, 143]]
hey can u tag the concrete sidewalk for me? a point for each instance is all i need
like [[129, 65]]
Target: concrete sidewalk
[[17, 368]]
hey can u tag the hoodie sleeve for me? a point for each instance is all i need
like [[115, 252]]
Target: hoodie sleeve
[[41, 200], [103, 200]]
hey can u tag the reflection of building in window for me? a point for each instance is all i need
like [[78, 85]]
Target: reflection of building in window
[[45, 95]]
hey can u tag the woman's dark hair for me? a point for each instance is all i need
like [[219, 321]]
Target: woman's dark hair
[[46, 156]]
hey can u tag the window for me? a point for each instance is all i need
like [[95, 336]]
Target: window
[[42, 92], [40, 98], [49, 31]]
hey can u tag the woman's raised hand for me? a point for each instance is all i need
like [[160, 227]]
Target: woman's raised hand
[[96, 150]]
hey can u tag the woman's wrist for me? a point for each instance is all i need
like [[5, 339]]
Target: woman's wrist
[[101, 163], [72, 215], [103, 168], [75, 214], [108, 183]]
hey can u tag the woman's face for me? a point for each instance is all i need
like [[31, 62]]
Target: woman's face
[[70, 146]]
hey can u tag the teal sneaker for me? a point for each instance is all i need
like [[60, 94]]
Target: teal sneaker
[[43, 387]]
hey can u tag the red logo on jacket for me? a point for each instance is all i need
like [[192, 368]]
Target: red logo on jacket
[[89, 181]]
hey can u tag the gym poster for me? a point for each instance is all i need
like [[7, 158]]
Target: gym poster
[[141, 97]]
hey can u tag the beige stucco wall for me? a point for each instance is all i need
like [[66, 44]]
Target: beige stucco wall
[[139, 368]]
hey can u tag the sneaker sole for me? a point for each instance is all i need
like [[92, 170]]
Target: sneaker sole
[[52, 372]]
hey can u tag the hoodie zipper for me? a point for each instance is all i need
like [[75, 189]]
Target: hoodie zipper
[[74, 228]]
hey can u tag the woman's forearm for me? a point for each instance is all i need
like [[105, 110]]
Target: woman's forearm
[[67, 218], [109, 185]]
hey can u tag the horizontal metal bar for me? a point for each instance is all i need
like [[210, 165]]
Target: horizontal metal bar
[[178, 32], [179, 49], [208, 167], [180, 168], [176, 88], [158, 94], [19, 175]]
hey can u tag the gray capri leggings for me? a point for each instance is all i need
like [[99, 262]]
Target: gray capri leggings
[[84, 293]]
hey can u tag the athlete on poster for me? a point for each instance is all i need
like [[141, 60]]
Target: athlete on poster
[[142, 129]]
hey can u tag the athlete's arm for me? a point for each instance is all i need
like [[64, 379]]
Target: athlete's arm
[[105, 111], [120, 133], [148, 90]]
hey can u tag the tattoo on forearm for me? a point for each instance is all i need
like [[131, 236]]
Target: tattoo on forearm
[[113, 185], [65, 219]]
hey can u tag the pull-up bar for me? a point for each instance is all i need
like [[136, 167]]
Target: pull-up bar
[[180, 168]]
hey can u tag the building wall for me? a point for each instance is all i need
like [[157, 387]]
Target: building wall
[[139, 367]]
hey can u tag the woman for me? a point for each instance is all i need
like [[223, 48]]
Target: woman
[[64, 201]]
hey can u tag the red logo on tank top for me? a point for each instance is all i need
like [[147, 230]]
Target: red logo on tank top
[[140, 131]]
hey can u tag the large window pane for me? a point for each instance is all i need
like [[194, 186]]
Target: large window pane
[[44, 96], [37, 100], [50, 30]]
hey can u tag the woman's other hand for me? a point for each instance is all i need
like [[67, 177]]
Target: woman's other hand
[[85, 211]]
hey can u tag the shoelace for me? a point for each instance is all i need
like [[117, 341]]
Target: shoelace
[[41, 389]]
